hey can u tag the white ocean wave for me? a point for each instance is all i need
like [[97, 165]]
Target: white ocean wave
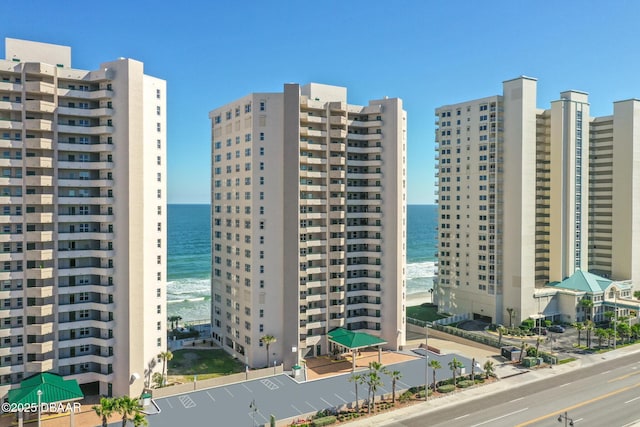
[[173, 301], [421, 269], [189, 286]]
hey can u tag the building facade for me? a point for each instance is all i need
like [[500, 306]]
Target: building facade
[[308, 219], [83, 220], [527, 197]]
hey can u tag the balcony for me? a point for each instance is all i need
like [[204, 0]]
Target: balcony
[[39, 366], [39, 180], [38, 162], [39, 292], [38, 68], [38, 143], [338, 133], [85, 94], [40, 273], [39, 217], [10, 87], [38, 199], [39, 236], [85, 165], [94, 148], [39, 87], [39, 106], [86, 130], [39, 329], [38, 125], [39, 348], [85, 112], [10, 125], [41, 255], [10, 106]]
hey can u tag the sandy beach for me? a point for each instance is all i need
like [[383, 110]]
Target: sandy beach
[[418, 298]]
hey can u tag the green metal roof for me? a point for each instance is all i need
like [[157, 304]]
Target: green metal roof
[[54, 389], [583, 281], [352, 339]]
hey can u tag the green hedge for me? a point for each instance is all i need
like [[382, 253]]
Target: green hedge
[[447, 388], [324, 421], [465, 383]]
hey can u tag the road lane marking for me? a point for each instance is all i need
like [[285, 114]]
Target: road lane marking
[[579, 419], [500, 417], [606, 372], [169, 403], [312, 407], [623, 377], [210, 397], [462, 416], [635, 398], [230, 394], [250, 391], [631, 424], [564, 385], [299, 411], [326, 402], [404, 384], [515, 400], [340, 398], [578, 405]]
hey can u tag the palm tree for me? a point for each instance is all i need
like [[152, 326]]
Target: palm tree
[[129, 408], [538, 341], [374, 381], [609, 315], [589, 326], [601, 334], [104, 410], [523, 348], [165, 356], [267, 340], [140, 420], [433, 364], [172, 320], [579, 327], [488, 368], [511, 311], [587, 304], [454, 365], [356, 379], [635, 329], [636, 294], [395, 376], [473, 365]]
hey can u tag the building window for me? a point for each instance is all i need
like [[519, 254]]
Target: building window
[[159, 309], [159, 276], [159, 342], [158, 110], [158, 127], [158, 292], [158, 93], [159, 325]]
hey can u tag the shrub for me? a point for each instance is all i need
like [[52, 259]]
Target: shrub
[[324, 421], [446, 388], [527, 324], [421, 393], [465, 383], [407, 395]]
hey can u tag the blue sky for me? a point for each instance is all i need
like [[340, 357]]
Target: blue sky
[[429, 53]]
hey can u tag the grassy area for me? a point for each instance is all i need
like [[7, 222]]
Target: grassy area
[[426, 312], [204, 363]]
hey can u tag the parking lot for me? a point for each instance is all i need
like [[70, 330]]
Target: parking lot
[[282, 396]]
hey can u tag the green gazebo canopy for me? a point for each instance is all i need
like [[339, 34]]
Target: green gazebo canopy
[[54, 389], [353, 340]]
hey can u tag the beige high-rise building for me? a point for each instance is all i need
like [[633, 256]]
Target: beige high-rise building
[[309, 219], [529, 196], [82, 289]]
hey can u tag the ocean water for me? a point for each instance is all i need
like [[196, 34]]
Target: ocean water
[[189, 252]]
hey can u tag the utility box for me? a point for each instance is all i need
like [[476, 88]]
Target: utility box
[[510, 353]]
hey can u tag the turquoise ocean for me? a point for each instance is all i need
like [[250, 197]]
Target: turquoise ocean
[[189, 252]]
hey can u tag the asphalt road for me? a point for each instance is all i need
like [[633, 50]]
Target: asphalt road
[[282, 396], [605, 394]]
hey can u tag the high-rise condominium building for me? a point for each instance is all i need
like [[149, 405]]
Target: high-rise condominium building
[[308, 217], [82, 210], [529, 196]]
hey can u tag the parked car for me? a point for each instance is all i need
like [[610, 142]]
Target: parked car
[[556, 328]]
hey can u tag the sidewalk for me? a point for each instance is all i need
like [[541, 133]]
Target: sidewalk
[[510, 381]]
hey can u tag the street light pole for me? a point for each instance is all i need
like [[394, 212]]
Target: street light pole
[[39, 393], [426, 363], [566, 419], [615, 319]]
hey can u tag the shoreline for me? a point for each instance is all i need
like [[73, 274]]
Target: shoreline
[[418, 298]]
